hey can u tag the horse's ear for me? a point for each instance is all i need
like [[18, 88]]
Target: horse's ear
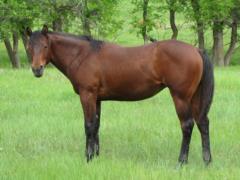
[[44, 29], [28, 31]]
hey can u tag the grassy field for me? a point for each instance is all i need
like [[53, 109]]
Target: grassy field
[[42, 134]]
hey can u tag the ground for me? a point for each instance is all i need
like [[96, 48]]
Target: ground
[[42, 134]]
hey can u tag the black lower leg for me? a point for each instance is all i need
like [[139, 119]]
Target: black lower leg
[[92, 137], [91, 133], [187, 127], [98, 116], [203, 127], [97, 146]]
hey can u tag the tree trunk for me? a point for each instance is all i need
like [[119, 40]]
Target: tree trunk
[[172, 11], [217, 50], [9, 51], [15, 49], [25, 42], [12, 53], [144, 27], [173, 24], [199, 23], [200, 32], [85, 18], [233, 42], [57, 24]]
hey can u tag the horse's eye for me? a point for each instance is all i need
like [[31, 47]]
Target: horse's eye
[[45, 47]]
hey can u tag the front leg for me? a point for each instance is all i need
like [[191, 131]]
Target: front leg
[[89, 105], [98, 116]]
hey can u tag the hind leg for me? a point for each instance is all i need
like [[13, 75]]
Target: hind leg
[[185, 116], [203, 126], [187, 127]]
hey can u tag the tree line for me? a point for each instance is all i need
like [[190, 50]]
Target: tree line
[[100, 18]]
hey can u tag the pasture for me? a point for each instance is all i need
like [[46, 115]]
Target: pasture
[[42, 134]]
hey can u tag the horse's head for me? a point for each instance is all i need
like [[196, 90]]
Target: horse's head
[[38, 47]]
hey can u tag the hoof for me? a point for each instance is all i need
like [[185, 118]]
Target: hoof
[[180, 164], [89, 154], [97, 149], [207, 163], [89, 157], [207, 158]]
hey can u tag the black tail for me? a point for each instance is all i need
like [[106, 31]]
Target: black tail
[[206, 85]]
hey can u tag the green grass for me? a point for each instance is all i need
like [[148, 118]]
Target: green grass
[[42, 134]]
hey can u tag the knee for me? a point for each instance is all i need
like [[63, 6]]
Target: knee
[[203, 122], [187, 126]]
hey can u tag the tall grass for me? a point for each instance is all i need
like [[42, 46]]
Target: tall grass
[[42, 134]]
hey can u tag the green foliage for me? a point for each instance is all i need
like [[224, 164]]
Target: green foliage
[[176, 5], [216, 9], [153, 17], [103, 22], [14, 14], [115, 19], [156, 17], [46, 11]]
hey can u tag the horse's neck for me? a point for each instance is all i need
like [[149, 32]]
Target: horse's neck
[[64, 51]]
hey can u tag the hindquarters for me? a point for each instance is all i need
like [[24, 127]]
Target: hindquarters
[[190, 80], [197, 109]]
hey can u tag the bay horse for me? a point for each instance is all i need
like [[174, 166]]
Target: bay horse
[[102, 71]]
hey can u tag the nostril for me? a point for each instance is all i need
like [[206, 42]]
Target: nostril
[[41, 66]]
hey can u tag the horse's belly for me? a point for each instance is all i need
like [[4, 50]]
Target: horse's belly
[[131, 93]]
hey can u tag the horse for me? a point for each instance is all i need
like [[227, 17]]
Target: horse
[[101, 71]]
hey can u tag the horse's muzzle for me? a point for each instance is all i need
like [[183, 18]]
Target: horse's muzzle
[[38, 72]]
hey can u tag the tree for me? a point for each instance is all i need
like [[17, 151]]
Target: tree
[[197, 14], [193, 11], [217, 12], [235, 15], [12, 51], [100, 18], [85, 16], [172, 6], [8, 28], [217, 49], [144, 17], [144, 26], [15, 16], [57, 12]]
